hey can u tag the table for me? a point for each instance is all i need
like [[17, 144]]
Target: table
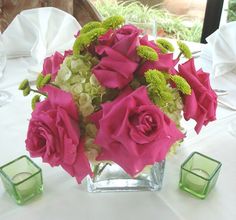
[[64, 199]]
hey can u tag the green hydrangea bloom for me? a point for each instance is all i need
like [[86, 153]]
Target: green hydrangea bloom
[[90, 26], [184, 49], [113, 22], [181, 84], [75, 76], [165, 45], [147, 53]]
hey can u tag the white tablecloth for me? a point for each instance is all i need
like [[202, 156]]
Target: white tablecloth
[[64, 199]]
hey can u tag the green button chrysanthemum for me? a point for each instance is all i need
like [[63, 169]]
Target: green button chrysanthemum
[[84, 40], [90, 26], [113, 22], [181, 84], [165, 45], [184, 49], [147, 53], [24, 84], [35, 99]]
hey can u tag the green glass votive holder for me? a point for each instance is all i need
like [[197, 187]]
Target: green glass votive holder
[[199, 174], [22, 179]]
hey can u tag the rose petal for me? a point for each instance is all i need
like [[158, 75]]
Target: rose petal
[[201, 104], [115, 70]]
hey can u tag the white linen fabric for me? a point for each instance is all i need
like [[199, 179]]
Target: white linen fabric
[[40, 32], [220, 50], [2, 56]]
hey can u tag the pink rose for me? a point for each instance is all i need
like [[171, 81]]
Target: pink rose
[[119, 58], [54, 134], [114, 70], [165, 63], [52, 64], [133, 126], [201, 104], [107, 39], [127, 40], [123, 40]]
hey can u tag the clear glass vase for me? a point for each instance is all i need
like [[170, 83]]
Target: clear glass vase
[[111, 177]]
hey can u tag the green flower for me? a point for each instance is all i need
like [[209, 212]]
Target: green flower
[[26, 91], [158, 88], [75, 76], [86, 109], [46, 80], [147, 53], [184, 49], [113, 22], [155, 77], [165, 45], [39, 80], [90, 26], [91, 130], [84, 99], [24, 84], [35, 99], [84, 40], [181, 84]]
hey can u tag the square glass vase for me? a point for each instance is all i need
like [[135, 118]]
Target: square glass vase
[[111, 177], [148, 28], [22, 179], [199, 174]]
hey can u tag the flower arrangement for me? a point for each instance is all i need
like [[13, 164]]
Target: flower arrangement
[[118, 97]]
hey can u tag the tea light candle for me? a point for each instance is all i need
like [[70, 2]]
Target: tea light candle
[[195, 182], [26, 187]]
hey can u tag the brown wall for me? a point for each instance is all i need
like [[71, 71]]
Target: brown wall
[[82, 10]]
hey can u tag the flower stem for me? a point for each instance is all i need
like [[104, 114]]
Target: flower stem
[[36, 91], [179, 55], [103, 167], [53, 84], [98, 171]]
